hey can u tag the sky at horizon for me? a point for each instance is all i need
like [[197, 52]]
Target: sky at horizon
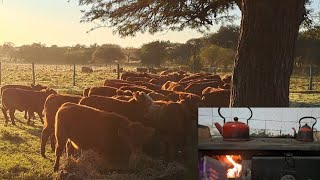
[[58, 23]]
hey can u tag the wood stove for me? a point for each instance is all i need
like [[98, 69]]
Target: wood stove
[[266, 158]]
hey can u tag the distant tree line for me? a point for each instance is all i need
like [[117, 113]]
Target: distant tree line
[[216, 49]]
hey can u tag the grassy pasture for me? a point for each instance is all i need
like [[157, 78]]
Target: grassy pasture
[[19, 145]]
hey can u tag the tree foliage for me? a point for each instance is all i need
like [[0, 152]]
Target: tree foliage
[[226, 37], [179, 53], [153, 53], [108, 53], [8, 50], [216, 55], [308, 47], [130, 17]]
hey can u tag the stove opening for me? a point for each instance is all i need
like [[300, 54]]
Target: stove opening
[[221, 167], [233, 163]]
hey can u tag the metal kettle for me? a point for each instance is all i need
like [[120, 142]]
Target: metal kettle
[[305, 132], [233, 130]]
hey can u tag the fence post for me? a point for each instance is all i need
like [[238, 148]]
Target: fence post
[[310, 78], [33, 74], [118, 71], [74, 74]]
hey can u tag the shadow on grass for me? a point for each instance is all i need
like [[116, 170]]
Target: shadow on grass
[[12, 137], [31, 129]]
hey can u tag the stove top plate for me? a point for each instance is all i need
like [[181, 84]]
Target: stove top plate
[[218, 143]]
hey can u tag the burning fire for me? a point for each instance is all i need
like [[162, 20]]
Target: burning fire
[[235, 171]]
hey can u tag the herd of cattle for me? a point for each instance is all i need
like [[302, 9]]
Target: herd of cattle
[[139, 113]]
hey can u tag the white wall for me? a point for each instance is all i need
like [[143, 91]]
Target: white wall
[[271, 120]]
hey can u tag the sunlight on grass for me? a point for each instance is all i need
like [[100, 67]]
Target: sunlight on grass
[[19, 151]]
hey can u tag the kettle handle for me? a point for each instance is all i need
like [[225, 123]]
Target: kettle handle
[[308, 117], [224, 119]]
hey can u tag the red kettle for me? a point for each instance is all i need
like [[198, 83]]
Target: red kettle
[[233, 130]]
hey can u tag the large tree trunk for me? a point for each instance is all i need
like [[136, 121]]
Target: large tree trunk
[[264, 60]]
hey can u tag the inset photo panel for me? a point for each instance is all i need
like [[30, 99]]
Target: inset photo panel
[[258, 143]]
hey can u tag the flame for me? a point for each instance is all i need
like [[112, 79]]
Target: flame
[[235, 171]]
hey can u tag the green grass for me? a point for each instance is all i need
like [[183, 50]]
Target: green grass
[[19, 151]]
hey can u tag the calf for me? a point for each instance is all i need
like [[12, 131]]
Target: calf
[[112, 135], [51, 106], [33, 87], [23, 100]]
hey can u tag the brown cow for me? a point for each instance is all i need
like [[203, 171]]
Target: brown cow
[[86, 69], [136, 109], [172, 86], [112, 135], [126, 75], [151, 86], [23, 100], [176, 96], [216, 97], [51, 106], [110, 81], [135, 88], [103, 91], [197, 88], [118, 84], [173, 126], [33, 87], [124, 93], [124, 98], [156, 81], [144, 79], [158, 97], [164, 92]]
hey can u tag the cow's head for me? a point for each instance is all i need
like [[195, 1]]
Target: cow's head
[[38, 87], [50, 91], [192, 101], [147, 103], [136, 135]]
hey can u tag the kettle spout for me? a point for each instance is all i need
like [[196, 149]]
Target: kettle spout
[[294, 132], [219, 127]]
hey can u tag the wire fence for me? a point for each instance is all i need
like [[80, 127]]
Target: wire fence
[[265, 121]]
